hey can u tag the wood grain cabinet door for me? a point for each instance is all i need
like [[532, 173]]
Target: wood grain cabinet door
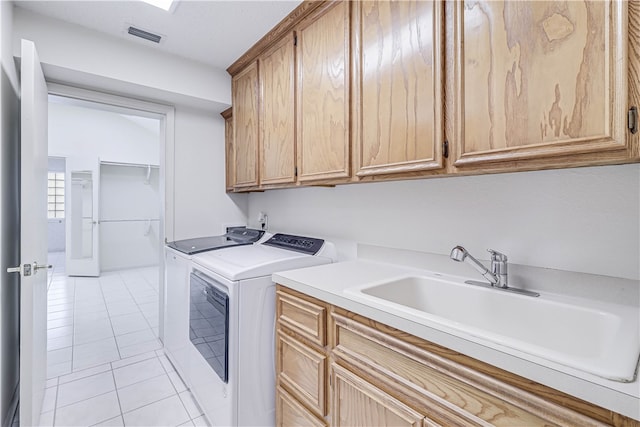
[[538, 80], [323, 94], [356, 403], [244, 92], [277, 113], [229, 160], [397, 86]]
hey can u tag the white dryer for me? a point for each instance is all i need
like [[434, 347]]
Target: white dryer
[[232, 325]]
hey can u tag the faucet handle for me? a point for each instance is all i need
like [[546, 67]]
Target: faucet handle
[[497, 256]]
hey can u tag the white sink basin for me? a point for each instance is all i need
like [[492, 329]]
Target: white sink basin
[[598, 338]]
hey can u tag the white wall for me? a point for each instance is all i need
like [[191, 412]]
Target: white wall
[[71, 53], [201, 205], [582, 219], [9, 216], [80, 132], [129, 217]]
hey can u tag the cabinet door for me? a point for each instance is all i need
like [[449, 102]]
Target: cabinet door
[[323, 94], [303, 371], [277, 113], [397, 86], [356, 402], [290, 412], [539, 80], [245, 126], [229, 161]]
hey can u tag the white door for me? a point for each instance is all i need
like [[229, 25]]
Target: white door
[[81, 213], [33, 236]]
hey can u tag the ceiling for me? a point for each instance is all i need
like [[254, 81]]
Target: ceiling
[[209, 31]]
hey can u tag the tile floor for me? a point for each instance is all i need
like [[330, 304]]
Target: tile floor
[[105, 363]]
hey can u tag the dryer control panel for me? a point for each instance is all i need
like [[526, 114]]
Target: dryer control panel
[[306, 245]]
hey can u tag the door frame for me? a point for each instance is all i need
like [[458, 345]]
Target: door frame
[[166, 115]]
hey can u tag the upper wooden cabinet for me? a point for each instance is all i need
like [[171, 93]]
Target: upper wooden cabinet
[[277, 113], [535, 80], [397, 86], [246, 126], [323, 94], [345, 91]]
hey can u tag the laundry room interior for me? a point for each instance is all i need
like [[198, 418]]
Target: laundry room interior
[[345, 213]]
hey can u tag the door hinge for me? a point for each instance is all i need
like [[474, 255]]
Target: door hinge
[[445, 149], [632, 120], [295, 40]]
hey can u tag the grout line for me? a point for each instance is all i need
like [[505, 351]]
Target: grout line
[[115, 385], [110, 323], [55, 404]]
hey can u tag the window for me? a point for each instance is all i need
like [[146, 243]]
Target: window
[[55, 195]]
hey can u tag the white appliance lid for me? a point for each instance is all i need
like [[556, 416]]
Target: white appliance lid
[[246, 262]]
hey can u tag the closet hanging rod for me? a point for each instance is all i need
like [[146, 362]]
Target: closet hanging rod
[[128, 220], [136, 165]]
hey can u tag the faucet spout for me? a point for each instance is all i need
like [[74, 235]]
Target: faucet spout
[[497, 276], [460, 254]]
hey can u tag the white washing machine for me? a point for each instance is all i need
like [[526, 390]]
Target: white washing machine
[[176, 299], [232, 325]]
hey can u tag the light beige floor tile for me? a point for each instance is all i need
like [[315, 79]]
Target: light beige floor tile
[[190, 404], [46, 419], [85, 388], [177, 381], [113, 422], [145, 392], [137, 372], [137, 337], [140, 348], [84, 373], [166, 412], [89, 412], [202, 422], [49, 400], [131, 360]]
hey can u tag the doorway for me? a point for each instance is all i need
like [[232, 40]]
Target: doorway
[[103, 324]]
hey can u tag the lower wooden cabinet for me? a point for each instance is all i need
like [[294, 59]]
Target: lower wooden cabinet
[[369, 374]]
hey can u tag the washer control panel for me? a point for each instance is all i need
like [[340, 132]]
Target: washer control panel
[[306, 245]]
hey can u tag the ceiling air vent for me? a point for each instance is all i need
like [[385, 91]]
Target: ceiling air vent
[[144, 34]]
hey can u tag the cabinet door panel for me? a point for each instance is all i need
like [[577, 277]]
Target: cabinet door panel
[[398, 76], [359, 403], [302, 370], [228, 150], [323, 95], [302, 316], [277, 113], [246, 126], [539, 79], [289, 412]]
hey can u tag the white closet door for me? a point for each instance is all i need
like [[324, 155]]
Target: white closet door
[[82, 213]]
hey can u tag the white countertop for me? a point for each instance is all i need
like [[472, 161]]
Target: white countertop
[[328, 283]]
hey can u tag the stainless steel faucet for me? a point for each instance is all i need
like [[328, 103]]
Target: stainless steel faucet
[[497, 277]]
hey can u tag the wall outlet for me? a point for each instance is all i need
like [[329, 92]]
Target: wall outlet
[[263, 220]]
